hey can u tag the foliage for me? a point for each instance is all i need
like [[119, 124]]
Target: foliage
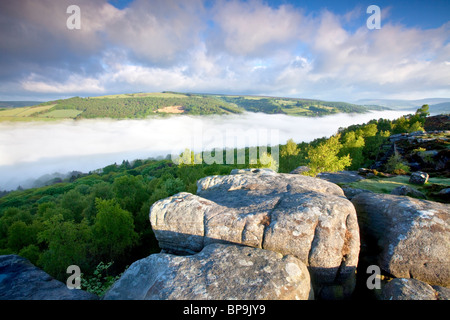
[[103, 215], [100, 281], [324, 157], [396, 165]]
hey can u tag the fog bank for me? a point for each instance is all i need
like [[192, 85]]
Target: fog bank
[[29, 150]]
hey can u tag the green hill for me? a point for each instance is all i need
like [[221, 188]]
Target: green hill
[[143, 105]]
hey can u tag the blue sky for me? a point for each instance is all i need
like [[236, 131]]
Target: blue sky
[[309, 49]]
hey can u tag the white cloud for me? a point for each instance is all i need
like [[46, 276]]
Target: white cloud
[[254, 28], [74, 84], [227, 46]]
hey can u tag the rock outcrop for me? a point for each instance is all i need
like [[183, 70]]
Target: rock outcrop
[[412, 289], [411, 237], [305, 217], [21, 280], [419, 177], [218, 272]]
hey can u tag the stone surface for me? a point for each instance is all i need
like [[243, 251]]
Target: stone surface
[[341, 176], [218, 272], [408, 191], [412, 289], [300, 170], [21, 280], [352, 192], [410, 237], [297, 215], [418, 177]]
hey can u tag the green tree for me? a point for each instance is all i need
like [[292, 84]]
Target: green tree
[[353, 146], [324, 157], [396, 165], [68, 243], [130, 192], [416, 126], [20, 235], [113, 230], [423, 111], [75, 202], [289, 156], [174, 186]]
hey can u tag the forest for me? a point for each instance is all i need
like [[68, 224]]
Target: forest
[[99, 220], [144, 105]]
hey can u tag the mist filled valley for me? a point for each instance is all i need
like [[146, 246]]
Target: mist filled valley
[[30, 150]]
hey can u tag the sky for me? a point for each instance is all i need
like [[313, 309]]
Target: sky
[[304, 49]]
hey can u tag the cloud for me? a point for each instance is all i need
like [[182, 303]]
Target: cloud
[[158, 32], [253, 28], [29, 150], [247, 47]]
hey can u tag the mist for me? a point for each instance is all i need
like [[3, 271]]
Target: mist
[[29, 150]]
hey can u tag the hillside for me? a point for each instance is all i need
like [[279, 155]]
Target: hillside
[[143, 105], [437, 105]]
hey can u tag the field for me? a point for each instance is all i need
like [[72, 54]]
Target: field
[[61, 114], [142, 95], [23, 114]]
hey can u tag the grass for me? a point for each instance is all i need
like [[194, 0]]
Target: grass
[[386, 185], [143, 94], [23, 113], [61, 114]]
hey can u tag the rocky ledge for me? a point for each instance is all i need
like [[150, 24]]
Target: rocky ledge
[[307, 218], [256, 234]]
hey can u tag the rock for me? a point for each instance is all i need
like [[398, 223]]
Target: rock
[[341, 176], [418, 177], [21, 280], [412, 289], [292, 214], [253, 171], [300, 170], [352, 192], [408, 191], [409, 236], [218, 272]]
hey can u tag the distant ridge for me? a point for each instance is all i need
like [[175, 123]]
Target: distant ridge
[[18, 104], [141, 105]]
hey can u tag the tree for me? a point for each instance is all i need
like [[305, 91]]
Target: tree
[[416, 126], [68, 243], [75, 202], [130, 192], [20, 235], [265, 160], [289, 156], [353, 146], [324, 157], [113, 230], [423, 111], [396, 165]]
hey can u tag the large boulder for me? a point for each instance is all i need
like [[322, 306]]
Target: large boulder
[[405, 190], [21, 280], [419, 178], [412, 289], [292, 214], [341, 176], [410, 237], [218, 272]]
